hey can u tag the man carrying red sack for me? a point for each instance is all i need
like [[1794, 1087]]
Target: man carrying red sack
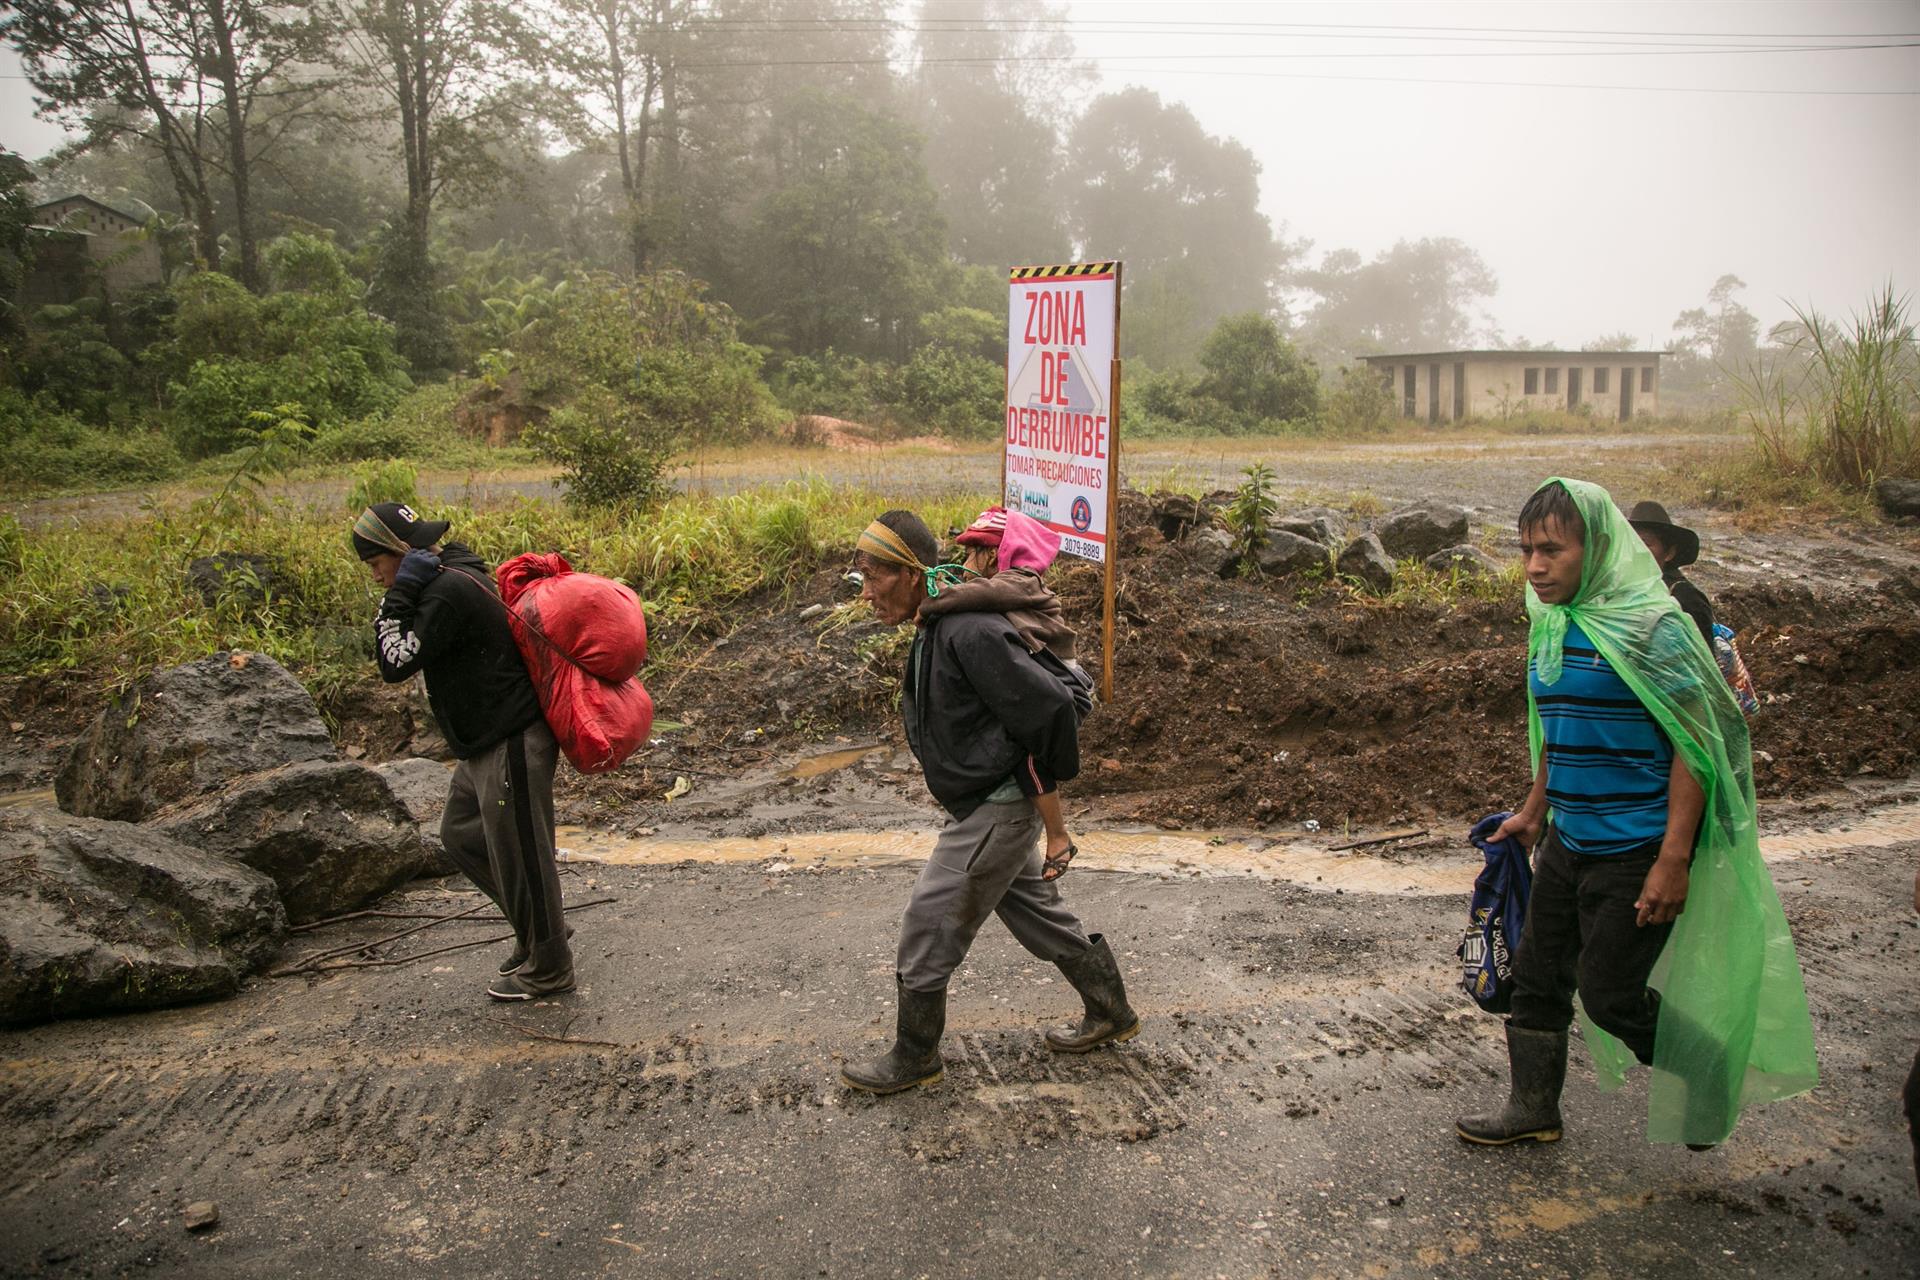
[[441, 616]]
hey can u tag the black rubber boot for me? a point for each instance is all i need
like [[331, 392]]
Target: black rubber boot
[[1538, 1061], [915, 1056], [1095, 974]]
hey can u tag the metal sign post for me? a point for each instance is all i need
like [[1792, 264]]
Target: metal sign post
[[1060, 462]]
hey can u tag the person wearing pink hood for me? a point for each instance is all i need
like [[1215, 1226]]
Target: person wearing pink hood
[[1008, 551]]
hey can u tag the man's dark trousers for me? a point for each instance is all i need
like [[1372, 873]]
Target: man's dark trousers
[[1581, 936], [498, 829]]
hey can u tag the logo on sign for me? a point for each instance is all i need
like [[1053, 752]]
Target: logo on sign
[[1082, 514]]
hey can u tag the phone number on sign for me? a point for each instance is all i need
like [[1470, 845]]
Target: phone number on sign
[[1072, 546]]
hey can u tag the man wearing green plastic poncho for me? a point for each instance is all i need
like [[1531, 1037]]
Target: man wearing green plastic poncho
[[1649, 900]]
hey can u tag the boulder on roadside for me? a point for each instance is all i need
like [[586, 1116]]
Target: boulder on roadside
[[1368, 561], [420, 785], [1216, 547], [188, 730], [1322, 524], [1282, 554], [330, 833], [1463, 559], [101, 916], [1414, 533], [1897, 497], [239, 575]]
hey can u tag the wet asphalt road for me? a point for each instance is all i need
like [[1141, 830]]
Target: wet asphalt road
[[1287, 1110]]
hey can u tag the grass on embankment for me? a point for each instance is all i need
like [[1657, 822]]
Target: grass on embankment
[[104, 602]]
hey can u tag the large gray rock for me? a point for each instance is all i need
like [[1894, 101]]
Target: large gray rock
[[188, 730], [1368, 561], [1322, 524], [1282, 554], [100, 916], [420, 785], [1897, 497], [330, 833], [1463, 559], [1414, 533]]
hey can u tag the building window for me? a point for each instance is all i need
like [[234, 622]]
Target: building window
[[1407, 376], [1532, 383], [1553, 382], [1600, 381], [1646, 379]]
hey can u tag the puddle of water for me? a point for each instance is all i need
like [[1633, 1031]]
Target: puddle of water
[[1173, 855], [814, 766]]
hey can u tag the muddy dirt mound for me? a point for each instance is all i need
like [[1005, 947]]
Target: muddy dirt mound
[[1250, 703]]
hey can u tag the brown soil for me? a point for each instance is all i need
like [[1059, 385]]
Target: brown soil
[[1242, 703], [1238, 703]]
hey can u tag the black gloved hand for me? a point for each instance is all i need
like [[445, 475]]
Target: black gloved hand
[[417, 569]]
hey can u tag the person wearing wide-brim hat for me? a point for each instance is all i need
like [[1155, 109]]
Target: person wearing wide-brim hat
[[1674, 547]]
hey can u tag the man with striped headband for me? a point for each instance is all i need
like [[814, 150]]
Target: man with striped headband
[[977, 702], [443, 617]]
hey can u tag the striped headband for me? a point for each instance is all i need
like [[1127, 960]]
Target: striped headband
[[371, 528], [883, 543]]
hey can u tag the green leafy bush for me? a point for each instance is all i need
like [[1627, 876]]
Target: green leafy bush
[[1360, 403], [958, 393], [311, 343], [611, 454], [48, 448], [1255, 375]]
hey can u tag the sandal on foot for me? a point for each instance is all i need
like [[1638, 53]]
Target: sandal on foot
[[1055, 867]]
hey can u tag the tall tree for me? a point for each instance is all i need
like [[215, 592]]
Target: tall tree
[[992, 157], [1713, 345], [1183, 209], [1420, 295], [848, 249], [448, 73]]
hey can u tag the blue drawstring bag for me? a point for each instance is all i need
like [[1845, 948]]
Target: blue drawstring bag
[[1497, 917]]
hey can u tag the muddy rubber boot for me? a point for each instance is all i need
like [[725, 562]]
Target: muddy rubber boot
[[1538, 1062], [915, 1056], [1095, 974]]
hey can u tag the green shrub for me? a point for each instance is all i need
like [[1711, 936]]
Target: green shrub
[[1360, 404], [1255, 375], [1248, 514], [611, 454], [47, 448], [957, 393], [391, 480]]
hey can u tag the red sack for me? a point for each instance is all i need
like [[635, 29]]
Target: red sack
[[583, 637]]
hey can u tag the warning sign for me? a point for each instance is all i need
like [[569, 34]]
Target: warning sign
[[1062, 325]]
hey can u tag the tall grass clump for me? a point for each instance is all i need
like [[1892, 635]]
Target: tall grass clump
[[1844, 406], [104, 602]]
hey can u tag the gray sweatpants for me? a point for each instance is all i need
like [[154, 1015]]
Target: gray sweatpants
[[498, 829], [988, 863]]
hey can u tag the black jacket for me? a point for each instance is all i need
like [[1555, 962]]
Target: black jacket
[[1692, 601], [977, 702], [455, 629]]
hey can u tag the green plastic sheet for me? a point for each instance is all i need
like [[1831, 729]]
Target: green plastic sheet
[[1734, 1028]]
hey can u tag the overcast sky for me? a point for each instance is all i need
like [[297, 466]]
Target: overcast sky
[[1616, 172], [1600, 209]]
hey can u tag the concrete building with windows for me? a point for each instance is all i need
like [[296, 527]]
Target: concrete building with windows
[[1451, 386], [81, 246]]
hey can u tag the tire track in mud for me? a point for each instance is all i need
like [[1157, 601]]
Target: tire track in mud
[[541, 1105]]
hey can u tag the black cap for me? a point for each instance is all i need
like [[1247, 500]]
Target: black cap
[[390, 528]]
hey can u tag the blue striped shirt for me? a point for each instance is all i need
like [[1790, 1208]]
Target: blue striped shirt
[[1608, 763]]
